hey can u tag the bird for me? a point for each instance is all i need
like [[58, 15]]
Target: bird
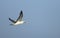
[[19, 20]]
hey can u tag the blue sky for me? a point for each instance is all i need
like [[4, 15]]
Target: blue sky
[[43, 17]]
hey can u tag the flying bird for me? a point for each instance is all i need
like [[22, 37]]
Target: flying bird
[[19, 19]]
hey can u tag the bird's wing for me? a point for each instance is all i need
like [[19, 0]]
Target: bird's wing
[[20, 16], [12, 20]]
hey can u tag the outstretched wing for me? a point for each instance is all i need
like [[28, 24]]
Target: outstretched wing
[[12, 20], [20, 16]]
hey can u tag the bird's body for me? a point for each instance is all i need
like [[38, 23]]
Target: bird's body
[[19, 20]]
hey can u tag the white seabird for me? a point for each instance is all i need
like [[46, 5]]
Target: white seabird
[[18, 21]]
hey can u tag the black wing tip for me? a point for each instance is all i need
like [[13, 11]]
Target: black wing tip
[[9, 18], [21, 11], [12, 20]]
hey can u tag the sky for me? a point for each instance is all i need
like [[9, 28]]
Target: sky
[[42, 17]]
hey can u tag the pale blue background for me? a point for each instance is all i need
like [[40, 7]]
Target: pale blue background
[[43, 17]]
